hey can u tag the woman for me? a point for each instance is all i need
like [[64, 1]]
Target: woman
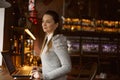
[[54, 55]]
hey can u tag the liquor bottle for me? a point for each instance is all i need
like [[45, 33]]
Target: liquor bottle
[[15, 45]]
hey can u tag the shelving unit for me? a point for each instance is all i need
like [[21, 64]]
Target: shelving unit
[[21, 46], [98, 43]]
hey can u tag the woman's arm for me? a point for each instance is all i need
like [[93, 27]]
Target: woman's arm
[[60, 48]]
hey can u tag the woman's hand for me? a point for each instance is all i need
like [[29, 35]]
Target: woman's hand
[[35, 73]]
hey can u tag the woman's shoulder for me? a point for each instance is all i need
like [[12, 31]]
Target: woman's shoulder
[[59, 37]]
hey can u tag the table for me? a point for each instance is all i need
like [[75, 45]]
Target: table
[[4, 75]]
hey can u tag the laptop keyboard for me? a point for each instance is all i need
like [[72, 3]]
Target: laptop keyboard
[[23, 72]]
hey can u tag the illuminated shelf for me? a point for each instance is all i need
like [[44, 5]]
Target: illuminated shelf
[[76, 24]]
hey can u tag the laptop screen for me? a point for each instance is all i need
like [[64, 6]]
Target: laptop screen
[[8, 61]]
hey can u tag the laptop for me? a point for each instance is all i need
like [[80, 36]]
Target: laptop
[[21, 73]]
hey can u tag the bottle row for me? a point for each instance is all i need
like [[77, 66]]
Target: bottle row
[[76, 24], [19, 45]]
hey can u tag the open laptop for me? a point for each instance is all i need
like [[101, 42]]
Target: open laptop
[[21, 73]]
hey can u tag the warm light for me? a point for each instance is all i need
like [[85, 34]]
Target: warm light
[[30, 34], [4, 4]]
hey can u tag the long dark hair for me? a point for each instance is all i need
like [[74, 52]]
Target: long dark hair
[[56, 19]]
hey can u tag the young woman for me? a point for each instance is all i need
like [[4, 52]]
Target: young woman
[[55, 59]]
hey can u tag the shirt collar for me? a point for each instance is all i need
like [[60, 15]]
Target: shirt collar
[[49, 36]]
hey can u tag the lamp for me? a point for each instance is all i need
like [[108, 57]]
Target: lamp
[[4, 4], [30, 34]]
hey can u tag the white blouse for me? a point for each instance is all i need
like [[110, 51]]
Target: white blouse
[[56, 61]]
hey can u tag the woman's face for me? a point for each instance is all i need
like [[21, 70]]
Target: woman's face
[[48, 24]]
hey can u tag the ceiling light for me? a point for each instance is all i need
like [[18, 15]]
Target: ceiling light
[[4, 4]]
